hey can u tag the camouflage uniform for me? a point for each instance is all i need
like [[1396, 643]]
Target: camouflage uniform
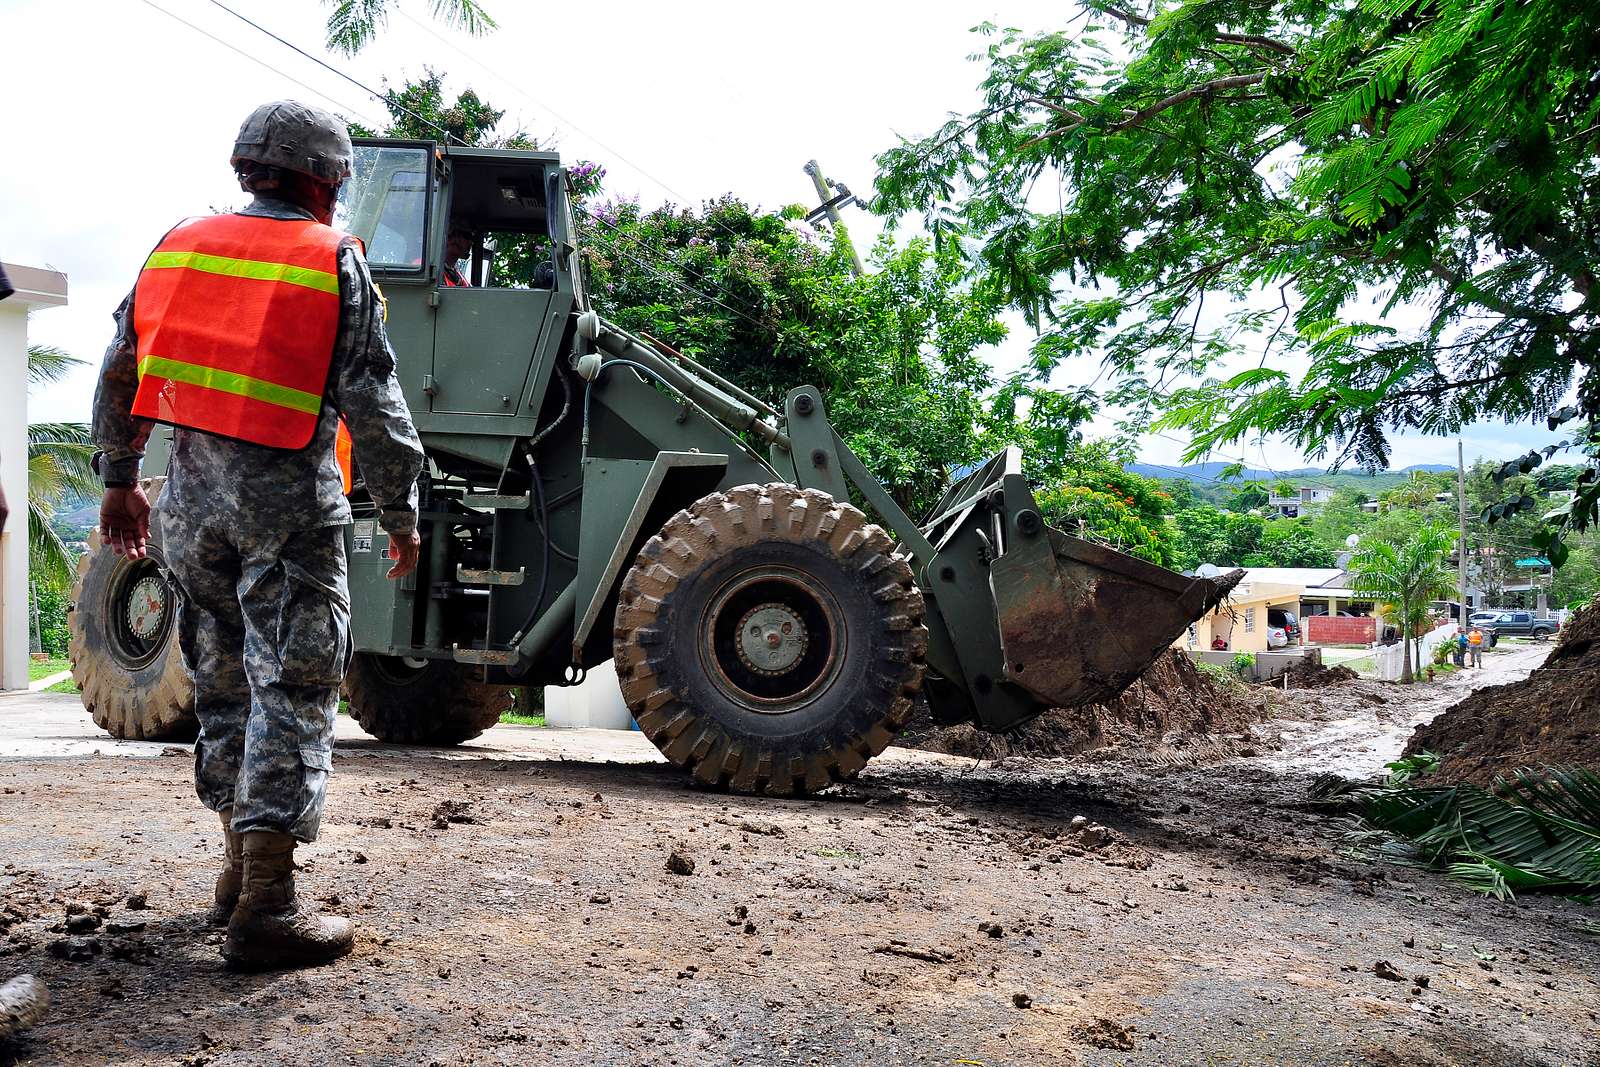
[[252, 538]]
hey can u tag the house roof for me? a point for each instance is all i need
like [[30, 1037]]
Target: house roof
[[1310, 577]]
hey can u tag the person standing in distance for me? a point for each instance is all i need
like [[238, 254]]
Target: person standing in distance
[[251, 334]]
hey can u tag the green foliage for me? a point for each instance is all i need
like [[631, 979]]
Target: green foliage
[[353, 24], [772, 305], [59, 469], [1224, 538], [419, 110], [1097, 499], [1533, 831], [51, 604], [1405, 569], [1244, 664], [1225, 677], [1283, 162], [1290, 543]]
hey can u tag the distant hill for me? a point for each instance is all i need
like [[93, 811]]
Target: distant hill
[[1211, 472]]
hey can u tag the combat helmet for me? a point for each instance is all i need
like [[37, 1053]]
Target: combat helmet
[[296, 137]]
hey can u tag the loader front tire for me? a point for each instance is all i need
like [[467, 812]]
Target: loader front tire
[[122, 641], [434, 702], [769, 640]]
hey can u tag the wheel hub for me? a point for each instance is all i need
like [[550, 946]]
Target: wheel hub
[[772, 638], [146, 607]]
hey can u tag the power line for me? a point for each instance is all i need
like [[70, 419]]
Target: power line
[[257, 61], [389, 99], [517, 88]]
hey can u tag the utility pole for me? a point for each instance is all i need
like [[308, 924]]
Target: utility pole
[[833, 196], [1461, 510]]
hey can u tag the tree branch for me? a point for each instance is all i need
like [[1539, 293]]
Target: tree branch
[[1249, 40]]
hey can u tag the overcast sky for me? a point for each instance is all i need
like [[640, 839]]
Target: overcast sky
[[120, 119]]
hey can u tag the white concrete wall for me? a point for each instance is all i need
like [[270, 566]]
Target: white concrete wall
[[14, 477]]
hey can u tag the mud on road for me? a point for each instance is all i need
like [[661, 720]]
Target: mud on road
[[939, 911]]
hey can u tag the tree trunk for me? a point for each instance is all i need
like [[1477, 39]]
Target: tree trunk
[[1406, 677]]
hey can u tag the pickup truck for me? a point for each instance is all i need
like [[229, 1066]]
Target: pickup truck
[[1523, 624]]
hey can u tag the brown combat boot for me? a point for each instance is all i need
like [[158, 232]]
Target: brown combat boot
[[232, 876], [269, 929]]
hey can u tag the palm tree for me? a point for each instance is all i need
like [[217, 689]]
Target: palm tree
[[354, 23], [1408, 571], [58, 466]]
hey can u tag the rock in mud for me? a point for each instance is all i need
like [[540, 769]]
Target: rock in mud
[[680, 862], [449, 811], [1021, 1000], [75, 949], [83, 923], [1387, 971], [23, 1001], [1106, 1034]]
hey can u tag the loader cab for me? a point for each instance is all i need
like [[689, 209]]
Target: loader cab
[[479, 350]]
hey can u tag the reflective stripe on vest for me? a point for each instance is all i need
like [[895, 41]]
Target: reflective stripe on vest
[[236, 317]]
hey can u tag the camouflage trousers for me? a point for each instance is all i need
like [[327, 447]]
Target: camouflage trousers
[[264, 623]]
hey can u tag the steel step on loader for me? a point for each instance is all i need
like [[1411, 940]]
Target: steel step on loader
[[591, 496]]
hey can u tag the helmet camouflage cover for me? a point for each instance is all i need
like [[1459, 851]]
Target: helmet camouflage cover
[[296, 137]]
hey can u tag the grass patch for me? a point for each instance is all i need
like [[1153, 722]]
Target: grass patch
[[66, 685], [522, 720], [837, 854], [1361, 664], [44, 668]]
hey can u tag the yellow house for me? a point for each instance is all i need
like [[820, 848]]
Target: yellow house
[[1241, 620]]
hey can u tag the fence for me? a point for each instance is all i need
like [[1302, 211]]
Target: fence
[[1340, 630], [1390, 659]]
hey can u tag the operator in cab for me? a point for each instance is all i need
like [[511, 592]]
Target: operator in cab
[[251, 333], [457, 246]]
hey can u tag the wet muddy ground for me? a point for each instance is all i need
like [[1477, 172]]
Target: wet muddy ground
[[940, 911]]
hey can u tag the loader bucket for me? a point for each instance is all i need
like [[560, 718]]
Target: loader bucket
[[1080, 621], [1075, 622]]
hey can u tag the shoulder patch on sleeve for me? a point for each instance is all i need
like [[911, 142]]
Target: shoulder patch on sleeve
[[383, 302]]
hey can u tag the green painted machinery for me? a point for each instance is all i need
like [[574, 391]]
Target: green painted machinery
[[774, 616]]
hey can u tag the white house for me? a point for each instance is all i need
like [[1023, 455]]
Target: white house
[[1304, 500], [35, 288]]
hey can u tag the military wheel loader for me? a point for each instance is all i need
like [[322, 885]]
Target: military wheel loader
[[591, 495]]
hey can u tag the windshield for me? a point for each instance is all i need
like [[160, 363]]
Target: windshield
[[385, 203]]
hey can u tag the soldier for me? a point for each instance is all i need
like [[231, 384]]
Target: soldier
[[250, 333]]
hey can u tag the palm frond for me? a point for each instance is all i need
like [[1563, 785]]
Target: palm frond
[[47, 363], [1535, 830], [49, 559]]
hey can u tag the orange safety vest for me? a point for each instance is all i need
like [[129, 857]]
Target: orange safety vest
[[1475, 637], [236, 317]]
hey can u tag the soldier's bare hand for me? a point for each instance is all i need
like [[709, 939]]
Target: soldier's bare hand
[[404, 550], [125, 521]]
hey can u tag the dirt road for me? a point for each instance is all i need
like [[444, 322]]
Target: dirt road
[[937, 912], [1355, 729]]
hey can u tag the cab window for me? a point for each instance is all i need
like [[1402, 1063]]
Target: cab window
[[498, 232], [385, 203]]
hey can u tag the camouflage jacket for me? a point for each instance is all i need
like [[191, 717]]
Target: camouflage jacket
[[218, 482]]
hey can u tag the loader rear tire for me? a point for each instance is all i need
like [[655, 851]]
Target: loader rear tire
[[434, 703], [769, 640], [122, 640]]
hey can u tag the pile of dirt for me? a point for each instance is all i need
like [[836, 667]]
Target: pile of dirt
[[1171, 702], [1309, 674], [1553, 717]]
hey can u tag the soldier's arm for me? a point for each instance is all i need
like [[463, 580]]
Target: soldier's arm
[[117, 433], [367, 392]]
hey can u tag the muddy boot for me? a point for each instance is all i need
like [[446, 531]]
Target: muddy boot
[[232, 876], [269, 928]]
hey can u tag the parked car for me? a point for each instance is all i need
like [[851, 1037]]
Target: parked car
[[1483, 618], [1288, 621], [1523, 624], [1277, 637]]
